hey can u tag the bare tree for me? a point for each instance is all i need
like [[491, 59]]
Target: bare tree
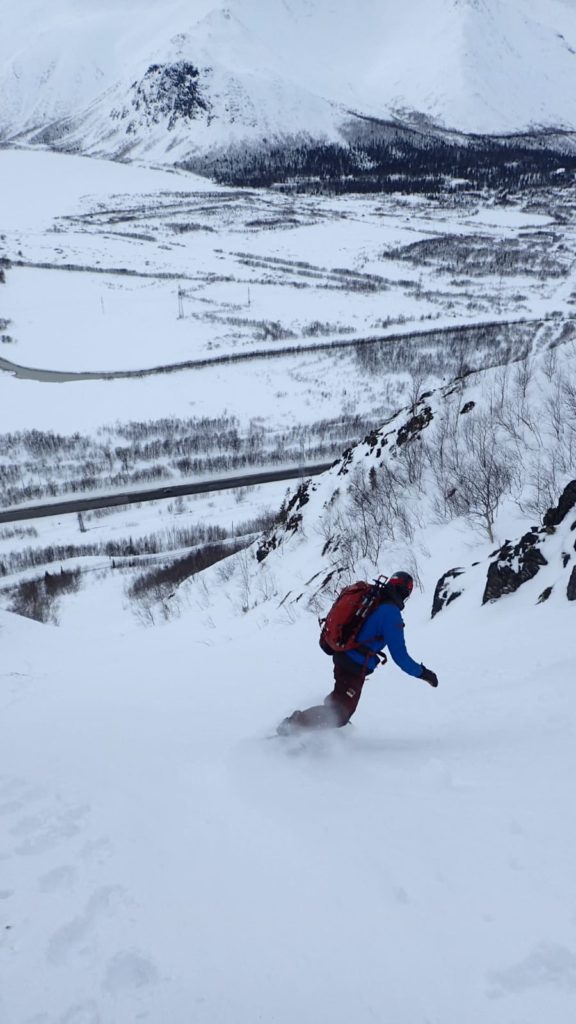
[[484, 475]]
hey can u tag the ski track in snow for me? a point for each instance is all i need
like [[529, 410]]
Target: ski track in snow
[[53, 904]]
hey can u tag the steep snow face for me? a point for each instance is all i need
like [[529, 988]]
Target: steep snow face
[[162, 861], [58, 58], [273, 68], [477, 65], [520, 66]]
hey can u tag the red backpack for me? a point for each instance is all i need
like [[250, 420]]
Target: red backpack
[[348, 614]]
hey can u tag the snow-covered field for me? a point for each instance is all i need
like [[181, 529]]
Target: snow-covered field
[[144, 269], [117, 269]]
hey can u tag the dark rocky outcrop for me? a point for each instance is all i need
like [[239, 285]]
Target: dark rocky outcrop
[[556, 515], [346, 461], [267, 545], [414, 427], [515, 564], [170, 92], [445, 592], [290, 518]]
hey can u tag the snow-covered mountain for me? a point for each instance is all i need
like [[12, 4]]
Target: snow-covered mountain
[[172, 80]]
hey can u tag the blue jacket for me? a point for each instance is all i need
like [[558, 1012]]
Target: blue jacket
[[385, 628]]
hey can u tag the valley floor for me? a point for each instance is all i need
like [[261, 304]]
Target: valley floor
[[122, 269]]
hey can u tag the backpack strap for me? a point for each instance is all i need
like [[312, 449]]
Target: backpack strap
[[369, 653]]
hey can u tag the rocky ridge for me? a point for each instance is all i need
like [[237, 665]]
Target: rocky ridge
[[443, 460], [517, 562]]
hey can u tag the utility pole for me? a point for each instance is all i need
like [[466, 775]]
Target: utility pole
[[500, 287], [180, 303]]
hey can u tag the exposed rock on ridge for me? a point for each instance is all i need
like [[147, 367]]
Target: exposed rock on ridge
[[514, 564], [167, 92]]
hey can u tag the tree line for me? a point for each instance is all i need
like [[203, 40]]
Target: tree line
[[428, 165]]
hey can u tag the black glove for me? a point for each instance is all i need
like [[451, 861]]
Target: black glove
[[429, 676]]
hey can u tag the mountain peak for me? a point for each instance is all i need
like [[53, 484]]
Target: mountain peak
[[284, 68]]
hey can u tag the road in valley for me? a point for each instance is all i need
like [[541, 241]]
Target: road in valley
[[73, 505], [411, 334]]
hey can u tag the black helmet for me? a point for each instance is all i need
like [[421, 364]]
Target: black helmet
[[403, 584]]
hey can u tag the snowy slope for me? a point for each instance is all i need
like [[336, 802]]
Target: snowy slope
[[136, 79], [162, 861]]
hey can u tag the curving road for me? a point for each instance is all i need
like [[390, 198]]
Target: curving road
[[298, 348]]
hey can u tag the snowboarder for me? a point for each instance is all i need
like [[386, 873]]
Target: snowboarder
[[384, 627]]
